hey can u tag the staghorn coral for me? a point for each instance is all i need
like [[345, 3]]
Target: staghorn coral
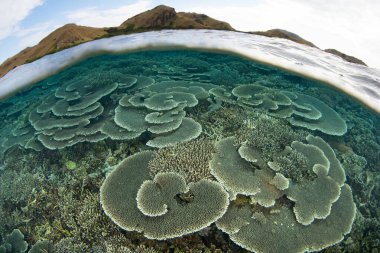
[[18, 186], [3, 219], [269, 135], [89, 223], [120, 243], [114, 244], [189, 159], [225, 76], [292, 164], [222, 122], [71, 245]]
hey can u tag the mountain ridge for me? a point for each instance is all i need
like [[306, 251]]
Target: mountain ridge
[[160, 17]]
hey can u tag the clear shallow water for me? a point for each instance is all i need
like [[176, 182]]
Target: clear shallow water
[[211, 118], [356, 80]]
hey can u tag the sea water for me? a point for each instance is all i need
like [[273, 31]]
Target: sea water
[[64, 135]]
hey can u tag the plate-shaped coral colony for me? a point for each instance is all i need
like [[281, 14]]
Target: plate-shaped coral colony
[[183, 151]]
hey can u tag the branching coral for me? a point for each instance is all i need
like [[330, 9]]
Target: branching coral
[[17, 187], [70, 245], [269, 135], [189, 159]]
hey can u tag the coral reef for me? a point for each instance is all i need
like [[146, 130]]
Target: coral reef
[[164, 201], [14, 243], [226, 155], [269, 135], [324, 197], [41, 247], [17, 186], [278, 230], [70, 245], [189, 159], [300, 109]]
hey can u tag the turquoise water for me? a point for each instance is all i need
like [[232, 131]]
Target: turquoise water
[[203, 152]]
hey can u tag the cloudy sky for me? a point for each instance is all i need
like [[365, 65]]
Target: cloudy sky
[[351, 26]]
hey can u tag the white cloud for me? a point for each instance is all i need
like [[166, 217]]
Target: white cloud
[[96, 17], [13, 12], [32, 35], [350, 26]]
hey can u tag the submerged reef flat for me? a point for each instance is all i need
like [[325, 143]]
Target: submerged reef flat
[[353, 79], [186, 151]]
